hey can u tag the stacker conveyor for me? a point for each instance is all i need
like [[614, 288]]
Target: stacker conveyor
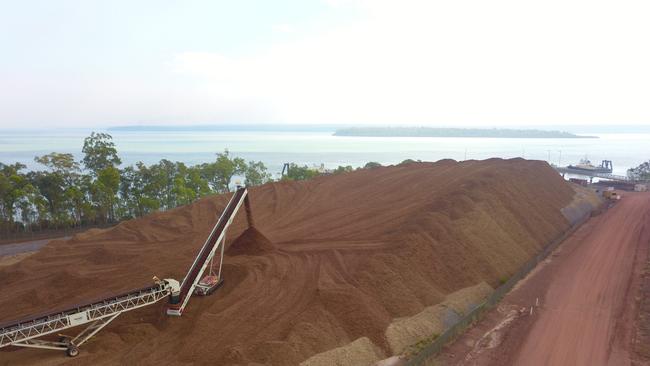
[[96, 315]]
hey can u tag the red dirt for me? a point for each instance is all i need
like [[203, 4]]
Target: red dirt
[[349, 253], [250, 242], [586, 296], [642, 333]]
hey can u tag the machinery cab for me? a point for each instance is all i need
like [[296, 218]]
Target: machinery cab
[[174, 296]]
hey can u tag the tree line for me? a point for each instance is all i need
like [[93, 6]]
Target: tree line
[[95, 190], [68, 193]]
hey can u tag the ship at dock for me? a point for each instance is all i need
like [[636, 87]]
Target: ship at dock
[[586, 166]]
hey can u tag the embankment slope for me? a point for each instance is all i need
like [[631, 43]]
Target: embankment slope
[[334, 259]]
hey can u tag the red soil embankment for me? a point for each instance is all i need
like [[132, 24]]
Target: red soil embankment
[[345, 255], [576, 308]]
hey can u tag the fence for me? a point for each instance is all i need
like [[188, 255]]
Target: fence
[[473, 316]]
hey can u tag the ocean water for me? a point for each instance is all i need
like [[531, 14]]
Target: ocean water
[[318, 147]]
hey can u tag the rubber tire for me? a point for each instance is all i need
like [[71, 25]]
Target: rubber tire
[[72, 351]]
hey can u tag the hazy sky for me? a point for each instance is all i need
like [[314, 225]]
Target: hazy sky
[[103, 63]]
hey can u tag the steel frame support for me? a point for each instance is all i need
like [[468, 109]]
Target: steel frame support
[[92, 329], [96, 315], [211, 272], [81, 338], [223, 245], [38, 343]]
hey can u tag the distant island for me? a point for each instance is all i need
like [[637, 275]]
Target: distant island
[[454, 132], [259, 127]]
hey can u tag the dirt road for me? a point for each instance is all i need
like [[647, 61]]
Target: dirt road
[[13, 253], [23, 247], [586, 299], [585, 307]]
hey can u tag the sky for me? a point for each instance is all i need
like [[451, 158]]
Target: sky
[[409, 62]]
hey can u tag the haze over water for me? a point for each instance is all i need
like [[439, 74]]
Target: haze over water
[[320, 147]]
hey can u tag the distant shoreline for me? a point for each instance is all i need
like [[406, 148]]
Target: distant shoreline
[[454, 132], [227, 128]]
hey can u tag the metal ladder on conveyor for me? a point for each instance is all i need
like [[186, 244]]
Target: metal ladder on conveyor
[[96, 315]]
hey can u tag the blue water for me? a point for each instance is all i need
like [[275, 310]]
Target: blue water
[[318, 147]]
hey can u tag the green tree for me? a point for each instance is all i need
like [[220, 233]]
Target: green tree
[[372, 165], [193, 180], [160, 186], [76, 198], [149, 189], [220, 173], [52, 187], [256, 174], [186, 188], [12, 189], [296, 172], [101, 159], [107, 185], [343, 169], [63, 164], [65, 172], [85, 205], [30, 205], [132, 192], [99, 152], [162, 182], [410, 161], [5, 191]]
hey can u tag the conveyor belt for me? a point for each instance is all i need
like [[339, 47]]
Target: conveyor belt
[[215, 241], [24, 332], [97, 314]]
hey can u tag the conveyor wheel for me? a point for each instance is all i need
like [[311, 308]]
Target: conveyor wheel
[[72, 351]]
